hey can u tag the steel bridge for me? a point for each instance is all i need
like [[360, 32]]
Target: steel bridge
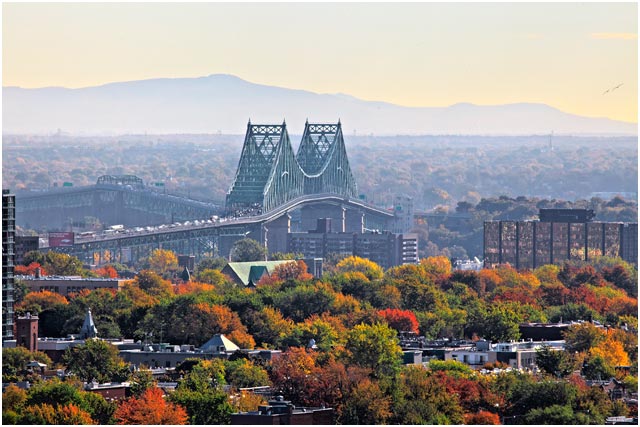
[[114, 199], [269, 174], [270, 183]]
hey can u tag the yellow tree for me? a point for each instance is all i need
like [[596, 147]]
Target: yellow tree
[[163, 260], [353, 263]]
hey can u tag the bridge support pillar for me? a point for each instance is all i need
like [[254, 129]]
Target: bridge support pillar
[[354, 221], [275, 233], [311, 214]]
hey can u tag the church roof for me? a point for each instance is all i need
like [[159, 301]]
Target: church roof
[[89, 329]]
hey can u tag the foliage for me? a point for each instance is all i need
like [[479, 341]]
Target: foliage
[[96, 360], [162, 261], [59, 264], [366, 404], [154, 285], [212, 277], [37, 302], [400, 320], [370, 269], [242, 373], [374, 347], [15, 360], [555, 362], [423, 399], [246, 249], [141, 381], [150, 408]]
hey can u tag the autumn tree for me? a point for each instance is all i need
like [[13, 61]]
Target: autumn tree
[[400, 320], [37, 302], [366, 404], [423, 399], [30, 270], [292, 374], [374, 347], [96, 360], [295, 270], [153, 284], [246, 249], [163, 260], [353, 263], [151, 408]]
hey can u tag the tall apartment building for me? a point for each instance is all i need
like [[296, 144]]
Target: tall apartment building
[[8, 254], [557, 237]]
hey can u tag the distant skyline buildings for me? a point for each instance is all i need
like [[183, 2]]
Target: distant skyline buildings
[[566, 55]]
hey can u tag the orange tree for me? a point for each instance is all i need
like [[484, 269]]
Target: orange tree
[[151, 408]]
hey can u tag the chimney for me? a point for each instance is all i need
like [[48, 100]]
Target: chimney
[[38, 272]]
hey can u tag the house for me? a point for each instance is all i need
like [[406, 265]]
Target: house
[[280, 411]]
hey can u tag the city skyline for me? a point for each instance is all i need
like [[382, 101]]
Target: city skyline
[[580, 58]]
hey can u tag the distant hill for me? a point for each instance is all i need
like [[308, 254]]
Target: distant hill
[[224, 103]]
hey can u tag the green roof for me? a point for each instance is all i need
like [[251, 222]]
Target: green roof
[[251, 272]]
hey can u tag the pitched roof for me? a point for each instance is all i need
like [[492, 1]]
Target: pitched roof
[[89, 329], [219, 343], [251, 272]]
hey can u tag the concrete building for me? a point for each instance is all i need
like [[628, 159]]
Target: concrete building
[[8, 261], [25, 244], [530, 244], [384, 248], [64, 285]]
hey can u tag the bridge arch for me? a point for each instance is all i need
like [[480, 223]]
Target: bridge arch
[[269, 174]]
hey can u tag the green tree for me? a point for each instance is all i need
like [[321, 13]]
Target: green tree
[[217, 263], [15, 360], [555, 362], [374, 347], [96, 360], [246, 249], [141, 381], [242, 373], [582, 337], [554, 415], [200, 394], [59, 264]]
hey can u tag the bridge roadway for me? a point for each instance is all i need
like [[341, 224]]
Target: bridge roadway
[[111, 203], [213, 237]]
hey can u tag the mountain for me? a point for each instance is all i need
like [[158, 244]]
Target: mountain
[[224, 103]]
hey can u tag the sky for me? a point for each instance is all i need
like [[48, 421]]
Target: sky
[[413, 54]]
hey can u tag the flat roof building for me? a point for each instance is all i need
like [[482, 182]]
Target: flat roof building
[[530, 244], [64, 285]]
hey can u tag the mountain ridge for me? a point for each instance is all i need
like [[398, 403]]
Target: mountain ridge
[[222, 102]]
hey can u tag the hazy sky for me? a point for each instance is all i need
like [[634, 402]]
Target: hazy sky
[[414, 54]]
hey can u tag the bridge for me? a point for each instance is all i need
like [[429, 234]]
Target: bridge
[[270, 185], [122, 199]]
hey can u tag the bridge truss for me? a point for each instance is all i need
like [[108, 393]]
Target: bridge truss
[[269, 174]]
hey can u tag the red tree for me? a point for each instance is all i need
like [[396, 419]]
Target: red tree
[[400, 320]]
